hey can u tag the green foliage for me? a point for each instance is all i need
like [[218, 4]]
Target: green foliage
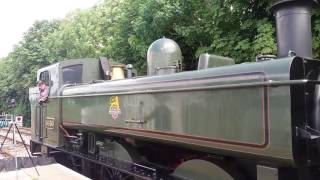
[[316, 34], [124, 29], [264, 40]]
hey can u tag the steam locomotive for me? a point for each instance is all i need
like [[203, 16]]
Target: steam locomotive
[[256, 120]]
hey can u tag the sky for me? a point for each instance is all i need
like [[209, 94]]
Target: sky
[[17, 16]]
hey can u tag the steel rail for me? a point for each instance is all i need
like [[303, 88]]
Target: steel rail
[[18, 141], [22, 132], [6, 154]]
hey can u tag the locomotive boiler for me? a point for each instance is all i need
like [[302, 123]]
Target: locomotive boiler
[[255, 120]]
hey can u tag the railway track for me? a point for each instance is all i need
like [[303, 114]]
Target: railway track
[[18, 140], [8, 151], [25, 131], [5, 155]]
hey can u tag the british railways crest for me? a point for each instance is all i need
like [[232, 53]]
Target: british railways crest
[[114, 107]]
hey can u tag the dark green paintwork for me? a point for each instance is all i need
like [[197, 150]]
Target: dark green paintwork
[[52, 110], [232, 115], [224, 119]]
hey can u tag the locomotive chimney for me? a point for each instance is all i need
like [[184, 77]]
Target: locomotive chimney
[[293, 19]]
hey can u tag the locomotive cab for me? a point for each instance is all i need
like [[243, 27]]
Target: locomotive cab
[[46, 114]]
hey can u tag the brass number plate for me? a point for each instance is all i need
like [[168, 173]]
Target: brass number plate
[[49, 123]]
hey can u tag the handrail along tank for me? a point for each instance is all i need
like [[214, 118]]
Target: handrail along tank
[[247, 121]]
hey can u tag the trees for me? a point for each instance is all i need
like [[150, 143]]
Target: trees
[[239, 29], [18, 69], [124, 29]]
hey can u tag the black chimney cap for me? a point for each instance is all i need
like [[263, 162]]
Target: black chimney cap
[[280, 3]]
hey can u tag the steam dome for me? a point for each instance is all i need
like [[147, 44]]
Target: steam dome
[[163, 53]]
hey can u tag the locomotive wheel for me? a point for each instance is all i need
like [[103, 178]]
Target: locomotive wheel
[[121, 152], [198, 169], [112, 174]]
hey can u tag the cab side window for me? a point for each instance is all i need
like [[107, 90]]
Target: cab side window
[[43, 85], [72, 74], [45, 77]]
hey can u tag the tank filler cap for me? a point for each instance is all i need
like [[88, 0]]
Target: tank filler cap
[[265, 57]]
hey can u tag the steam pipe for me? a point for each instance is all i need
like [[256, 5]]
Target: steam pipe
[[293, 19]]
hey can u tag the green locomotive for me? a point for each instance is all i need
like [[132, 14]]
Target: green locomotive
[[223, 121]]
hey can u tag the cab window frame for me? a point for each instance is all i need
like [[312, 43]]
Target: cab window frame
[[74, 76], [47, 78]]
